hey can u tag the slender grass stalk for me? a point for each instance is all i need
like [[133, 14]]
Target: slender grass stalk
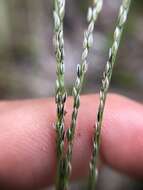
[[61, 95], [122, 18], [92, 16]]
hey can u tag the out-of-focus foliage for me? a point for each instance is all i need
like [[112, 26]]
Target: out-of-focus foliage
[[27, 66]]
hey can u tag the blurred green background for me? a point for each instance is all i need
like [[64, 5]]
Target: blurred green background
[[27, 63]]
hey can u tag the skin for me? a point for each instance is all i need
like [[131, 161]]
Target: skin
[[27, 139]]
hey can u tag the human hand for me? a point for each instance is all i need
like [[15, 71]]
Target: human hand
[[27, 140]]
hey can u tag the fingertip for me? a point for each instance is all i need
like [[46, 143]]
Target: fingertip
[[122, 136], [28, 139]]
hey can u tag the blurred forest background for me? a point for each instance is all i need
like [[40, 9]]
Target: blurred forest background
[[27, 63]]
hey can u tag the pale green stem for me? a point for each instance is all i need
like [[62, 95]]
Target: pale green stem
[[122, 18], [61, 95], [92, 16]]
